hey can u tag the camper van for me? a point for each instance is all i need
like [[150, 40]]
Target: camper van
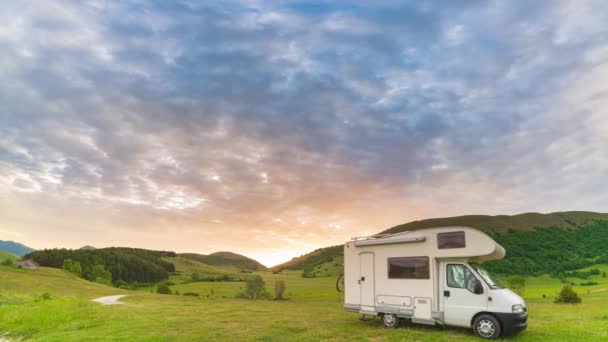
[[431, 276]]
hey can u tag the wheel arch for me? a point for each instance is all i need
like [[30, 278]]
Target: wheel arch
[[486, 313]]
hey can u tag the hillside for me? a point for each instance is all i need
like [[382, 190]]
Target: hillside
[[125, 264], [226, 259], [15, 248], [6, 255], [319, 259], [535, 243], [502, 223]]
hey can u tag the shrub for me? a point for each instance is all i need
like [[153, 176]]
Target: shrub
[[516, 283], [255, 289], [589, 283], [568, 295], [72, 267], [279, 289], [163, 288], [193, 294], [44, 296], [99, 274], [8, 262]]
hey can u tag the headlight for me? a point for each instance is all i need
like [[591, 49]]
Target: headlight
[[518, 308]]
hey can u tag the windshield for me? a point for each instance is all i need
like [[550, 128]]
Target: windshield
[[494, 284]]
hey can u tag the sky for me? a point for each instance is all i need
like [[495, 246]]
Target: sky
[[272, 128]]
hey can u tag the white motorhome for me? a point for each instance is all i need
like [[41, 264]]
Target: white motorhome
[[431, 276]]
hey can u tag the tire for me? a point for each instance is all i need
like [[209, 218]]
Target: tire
[[487, 326], [390, 321], [340, 283]]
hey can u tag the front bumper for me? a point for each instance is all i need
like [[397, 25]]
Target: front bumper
[[512, 323]]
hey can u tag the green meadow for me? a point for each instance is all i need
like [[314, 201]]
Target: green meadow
[[53, 305]]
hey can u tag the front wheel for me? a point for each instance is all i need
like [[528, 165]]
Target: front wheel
[[487, 327], [390, 320]]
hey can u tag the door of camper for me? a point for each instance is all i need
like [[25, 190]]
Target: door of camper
[[460, 302], [366, 280]]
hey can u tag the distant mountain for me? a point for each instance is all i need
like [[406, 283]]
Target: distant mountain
[[535, 243], [88, 248], [15, 248], [226, 259]]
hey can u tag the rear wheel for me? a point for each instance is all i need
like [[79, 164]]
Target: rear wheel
[[390, 320], [486, 326]]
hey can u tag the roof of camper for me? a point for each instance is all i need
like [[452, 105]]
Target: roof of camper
[[419, 235]]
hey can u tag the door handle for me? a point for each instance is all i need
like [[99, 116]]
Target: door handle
[[446, 293]]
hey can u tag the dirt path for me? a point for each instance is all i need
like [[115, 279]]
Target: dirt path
[[108, 300]]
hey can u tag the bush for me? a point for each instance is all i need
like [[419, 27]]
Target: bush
[[163, 288], [568, 295], [279, 289], [589, 283], [44, 296], [8, 262], [99, 274], [72, 267], [516, 283], [193, 294], [255, 289]]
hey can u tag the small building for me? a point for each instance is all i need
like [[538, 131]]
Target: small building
[[27, 263]]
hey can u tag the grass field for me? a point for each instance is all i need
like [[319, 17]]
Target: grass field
[[313, 312]]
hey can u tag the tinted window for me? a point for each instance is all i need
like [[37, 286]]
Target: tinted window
[[459, 276], [450, 240], [408, 268]]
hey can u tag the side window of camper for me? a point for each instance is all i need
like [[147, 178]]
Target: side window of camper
[[459, 276], [408, 268], [450, 240]]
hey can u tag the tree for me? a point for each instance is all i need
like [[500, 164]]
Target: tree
[[163, 288], [72, 267], [568, 295], [99, 274], [516, 283], [254, 288], [279, 289], [196, 276]]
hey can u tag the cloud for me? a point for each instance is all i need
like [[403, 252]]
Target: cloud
[[337, 118]]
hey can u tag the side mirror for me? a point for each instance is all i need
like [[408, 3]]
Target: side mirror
[[477, 287]]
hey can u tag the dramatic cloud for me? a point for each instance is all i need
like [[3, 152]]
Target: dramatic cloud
[[273, 128]]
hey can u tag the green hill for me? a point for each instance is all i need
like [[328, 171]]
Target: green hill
[[535, 243], [125, 264], [6, 255], [502, 223], [225, 259], [320, 260]]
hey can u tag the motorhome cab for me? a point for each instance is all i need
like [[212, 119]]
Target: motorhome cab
[[431, 276]]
